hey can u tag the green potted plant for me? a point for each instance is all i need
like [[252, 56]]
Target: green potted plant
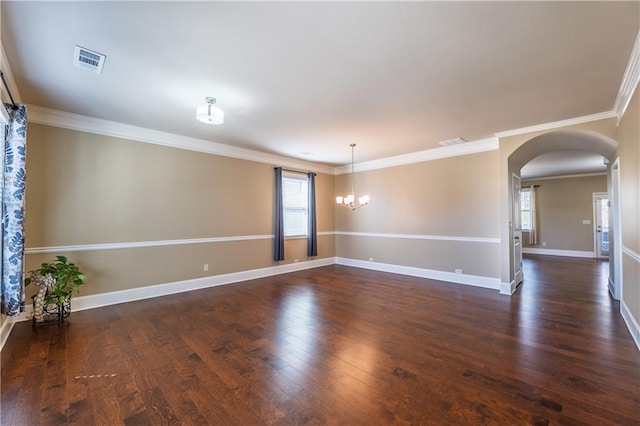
[[56, 281]]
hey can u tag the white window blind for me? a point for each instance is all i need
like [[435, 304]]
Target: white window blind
[[295, 205], [525, 209]]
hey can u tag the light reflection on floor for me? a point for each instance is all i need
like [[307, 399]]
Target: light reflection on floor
[[304, 337], [530, 318], [297, 328]]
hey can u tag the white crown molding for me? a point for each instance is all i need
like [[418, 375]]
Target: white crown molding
[[421, 237], [557, 124], [632, 324], [474, 147], [629, 81], [78, 122], [581, 175], [67, 120], [473, 280], [555, 252], [632, 254], [8, 75]]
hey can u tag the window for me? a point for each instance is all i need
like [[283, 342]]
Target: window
[[295, 205], [525, 209]]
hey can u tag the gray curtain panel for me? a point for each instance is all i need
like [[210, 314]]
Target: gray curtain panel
[[312, 234], [278, 240]]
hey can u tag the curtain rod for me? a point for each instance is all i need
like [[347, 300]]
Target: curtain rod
[[6, 86], [294, 171]]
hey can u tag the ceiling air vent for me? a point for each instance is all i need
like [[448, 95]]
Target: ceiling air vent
[[449, 142], [88, 59]]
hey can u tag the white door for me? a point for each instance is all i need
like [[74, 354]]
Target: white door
[[601, 224], [516, 230], [616, 285]]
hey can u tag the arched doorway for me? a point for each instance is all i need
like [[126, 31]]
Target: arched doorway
[[532, 147]]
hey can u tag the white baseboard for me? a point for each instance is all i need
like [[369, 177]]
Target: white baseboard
[[554, 252], [92, 301], [104, 299], [612, 289], [474, 280], [632, 324], [5, 330], [81, 303], [508, 288]]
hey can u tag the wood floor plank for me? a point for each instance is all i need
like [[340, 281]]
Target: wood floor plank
[[337, 345]]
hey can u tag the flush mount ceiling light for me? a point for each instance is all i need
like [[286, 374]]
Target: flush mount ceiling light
[[350, 200], [209, 113]]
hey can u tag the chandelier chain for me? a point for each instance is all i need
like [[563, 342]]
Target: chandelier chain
[[350, 201]]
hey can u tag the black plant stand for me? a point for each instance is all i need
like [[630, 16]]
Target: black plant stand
[[52, 311]]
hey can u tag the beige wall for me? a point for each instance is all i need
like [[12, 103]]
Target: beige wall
[[84, 189], [452, 197], [562, 205], [629, 155]]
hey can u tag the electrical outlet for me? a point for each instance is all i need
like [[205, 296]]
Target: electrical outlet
[[296, 260], [371, 259], [205, 267], [544, 243], [458, 271]]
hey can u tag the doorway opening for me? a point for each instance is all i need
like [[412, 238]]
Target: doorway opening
[[561, 140], [601, 225]]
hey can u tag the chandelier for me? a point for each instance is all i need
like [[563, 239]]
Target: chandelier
[[350, 200], [209, 113]]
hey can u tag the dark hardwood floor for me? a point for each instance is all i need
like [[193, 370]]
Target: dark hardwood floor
[[337, 345]]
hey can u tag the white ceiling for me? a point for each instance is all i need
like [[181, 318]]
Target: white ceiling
[[305, 80], [562, 163]]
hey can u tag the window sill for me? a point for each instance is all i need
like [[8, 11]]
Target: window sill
[[296, 237]]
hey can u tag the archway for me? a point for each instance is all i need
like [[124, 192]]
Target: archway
[[566, 139], [581, 140]]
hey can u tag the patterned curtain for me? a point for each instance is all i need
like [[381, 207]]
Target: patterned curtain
[[13, 184]]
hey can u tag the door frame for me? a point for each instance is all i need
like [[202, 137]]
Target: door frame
[[616, 284], [516, 230], [596, 214]]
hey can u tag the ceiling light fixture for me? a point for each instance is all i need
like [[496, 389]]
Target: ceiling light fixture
[[209, 113], [350, 200]]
